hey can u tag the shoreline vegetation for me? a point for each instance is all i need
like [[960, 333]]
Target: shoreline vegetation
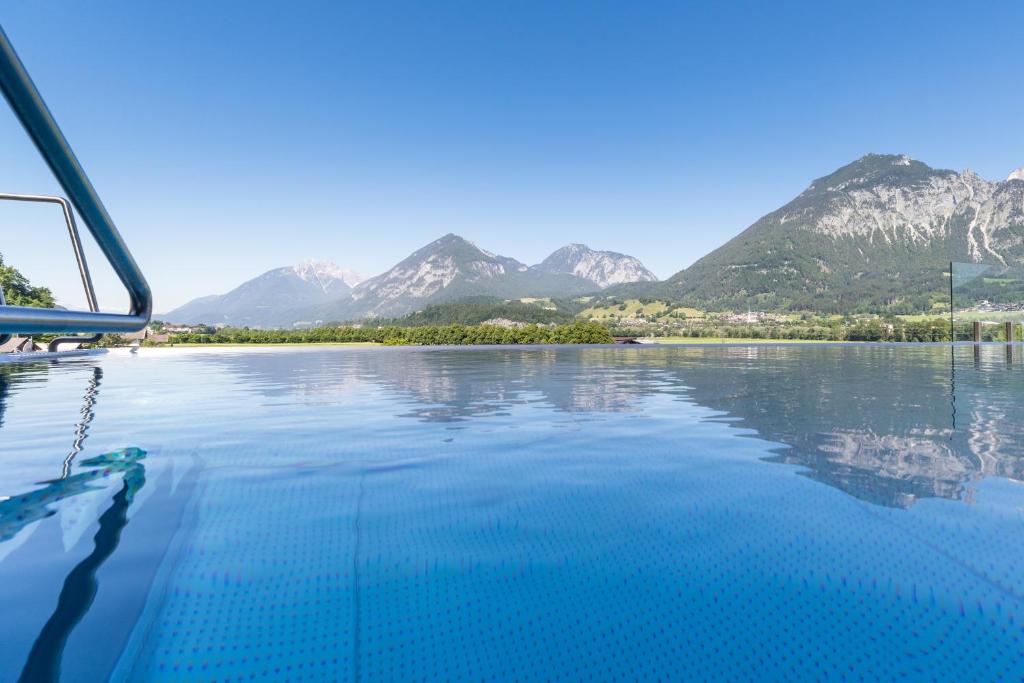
[[663, 341], [925, 330], [430, 335], [579, 332], [876, 330]]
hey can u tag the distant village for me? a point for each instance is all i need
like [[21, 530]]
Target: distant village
[[748, 318], [986, 306], [154, 333]]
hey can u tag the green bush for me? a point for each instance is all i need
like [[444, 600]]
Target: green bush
[[18, 291]]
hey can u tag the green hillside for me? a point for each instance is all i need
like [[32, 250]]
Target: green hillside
[[477, 310], [877, 235]]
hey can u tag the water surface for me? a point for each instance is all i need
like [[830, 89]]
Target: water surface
[[811, 512]]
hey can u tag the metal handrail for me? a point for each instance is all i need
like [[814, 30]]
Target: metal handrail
[[76, 242], [83, 267], [31, 110]]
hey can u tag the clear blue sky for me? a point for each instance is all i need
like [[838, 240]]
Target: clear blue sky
[[230, 138]]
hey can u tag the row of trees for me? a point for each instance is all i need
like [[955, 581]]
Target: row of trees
[[577, 333], [931, 330]]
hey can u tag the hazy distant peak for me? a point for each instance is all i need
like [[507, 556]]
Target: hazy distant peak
[[323, 272], [264, 300], [1017, 175]]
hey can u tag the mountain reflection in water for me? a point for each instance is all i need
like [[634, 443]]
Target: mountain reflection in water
[[886, 424]]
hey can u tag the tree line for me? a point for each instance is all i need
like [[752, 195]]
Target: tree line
[[430, 335], [929, 330]]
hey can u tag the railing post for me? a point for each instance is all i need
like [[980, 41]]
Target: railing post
[[1009, 332], [977, 331]]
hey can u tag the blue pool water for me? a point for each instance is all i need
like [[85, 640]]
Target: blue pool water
[[380, 514]]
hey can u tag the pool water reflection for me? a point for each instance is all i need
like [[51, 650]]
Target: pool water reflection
[[514, 514]]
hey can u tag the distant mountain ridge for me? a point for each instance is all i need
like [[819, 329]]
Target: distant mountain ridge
[[877, 234], [448, 269], [256, 301]]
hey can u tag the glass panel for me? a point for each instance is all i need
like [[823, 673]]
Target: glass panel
[[984, 298]]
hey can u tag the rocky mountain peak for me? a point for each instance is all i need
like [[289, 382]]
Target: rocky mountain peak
[[323, 272], [603, 268], [875, 233], [451, 239], [461, 251], [1017, 175], [872, 169], [443, 267]]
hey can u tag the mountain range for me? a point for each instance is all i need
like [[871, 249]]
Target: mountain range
[[447, 269], [876, 235], [265, 297]]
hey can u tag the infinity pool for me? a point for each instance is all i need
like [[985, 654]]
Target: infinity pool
[[508, 514]]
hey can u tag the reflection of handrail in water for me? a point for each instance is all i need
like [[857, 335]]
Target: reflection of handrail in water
[[20, 510], [82, 428], [80, 586]]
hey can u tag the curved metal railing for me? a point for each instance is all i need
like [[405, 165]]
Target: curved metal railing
[[31, 110], [83, 267]]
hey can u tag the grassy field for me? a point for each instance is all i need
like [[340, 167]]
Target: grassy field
[[923, 317], [544, 302], [633, 308]]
